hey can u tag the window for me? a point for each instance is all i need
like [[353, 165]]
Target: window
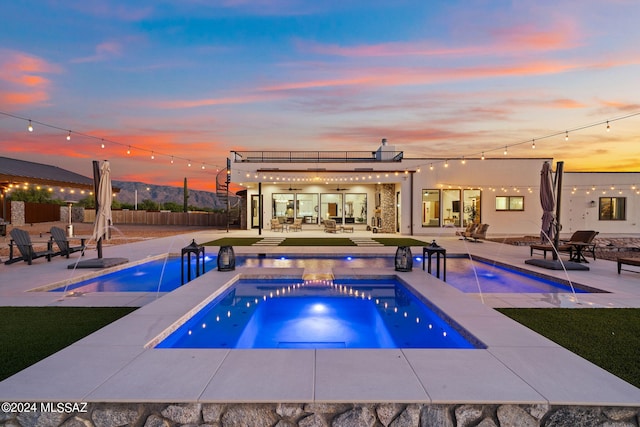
[[613, 209], [283, 206], [355, 208], [471, 206], [430, 208], [509, 203], [451, 207], [307, 207]]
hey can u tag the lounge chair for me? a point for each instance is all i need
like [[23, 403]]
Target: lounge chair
[[22, 241], [330, 226], [581, 236], [297, 225], [480, 233], [275, 225], [58, 236], [468, 232]]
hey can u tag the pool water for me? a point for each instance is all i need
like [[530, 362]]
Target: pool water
[[164, 275], [478, 276], [379, 313]]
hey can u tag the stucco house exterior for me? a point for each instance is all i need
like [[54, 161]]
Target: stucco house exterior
[[383, 191]]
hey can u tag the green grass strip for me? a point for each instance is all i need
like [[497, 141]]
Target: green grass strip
[[29, 334], [607, 337], [395, 241], [234, 241], [317, 241]]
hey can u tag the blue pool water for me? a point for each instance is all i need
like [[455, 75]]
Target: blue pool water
[[316, 314], [461, 273]]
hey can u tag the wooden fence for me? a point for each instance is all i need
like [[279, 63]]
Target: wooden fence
[[162, 218]]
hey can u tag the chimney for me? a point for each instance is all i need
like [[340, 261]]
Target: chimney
[[384, 141]]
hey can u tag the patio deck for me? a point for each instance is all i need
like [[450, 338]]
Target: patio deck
[[517, 367]]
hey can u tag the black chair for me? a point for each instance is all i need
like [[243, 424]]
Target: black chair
[[22, 240], [58, 236]]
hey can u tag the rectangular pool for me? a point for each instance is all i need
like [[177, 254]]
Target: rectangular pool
[[380, 313]]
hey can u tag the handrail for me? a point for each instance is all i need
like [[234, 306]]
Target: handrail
[[316, 156]]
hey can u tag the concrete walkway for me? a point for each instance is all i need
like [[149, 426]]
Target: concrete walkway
[[119, 364]]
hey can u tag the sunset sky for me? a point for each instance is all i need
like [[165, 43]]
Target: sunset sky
[[195, 79]]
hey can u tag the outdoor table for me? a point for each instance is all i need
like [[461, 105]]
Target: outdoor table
[[428, 252]]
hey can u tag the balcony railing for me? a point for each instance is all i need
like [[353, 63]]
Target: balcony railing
[[316, 156]]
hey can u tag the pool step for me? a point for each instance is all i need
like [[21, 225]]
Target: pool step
[[365, 241], [269, 241]]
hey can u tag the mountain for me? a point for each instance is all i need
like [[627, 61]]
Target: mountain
[[164, 193]]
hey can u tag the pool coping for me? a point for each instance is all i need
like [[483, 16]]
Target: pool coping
[[518, 366]]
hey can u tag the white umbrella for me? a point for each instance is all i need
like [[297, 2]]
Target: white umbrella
[[548, 202], [104, 199]]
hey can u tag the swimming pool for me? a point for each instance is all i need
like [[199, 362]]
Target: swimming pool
[[355, 313], [160, 275], [461, 274]]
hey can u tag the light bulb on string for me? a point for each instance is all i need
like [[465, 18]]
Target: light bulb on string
[[153, 156], [30, 127], [505, 150], [189, 163], [69, 136], [446, 163], [463, 161], [482, 157], [566, 135], [102, 143], [203, 166], [171, 159], [533, 144], [431, 167], [129, 150], [608, 127]]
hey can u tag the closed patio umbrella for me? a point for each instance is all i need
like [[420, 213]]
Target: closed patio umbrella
[[547, 200], [104, 198]]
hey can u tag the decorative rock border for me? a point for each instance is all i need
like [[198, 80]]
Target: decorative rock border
[[325, 415]]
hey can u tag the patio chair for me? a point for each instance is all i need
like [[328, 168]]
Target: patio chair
[[297, 225], [330, 226], [22, 241], [480, 233], [580, 236], [468, 232], [276, 225], [58, 236]]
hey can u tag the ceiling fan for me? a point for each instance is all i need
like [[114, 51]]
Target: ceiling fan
[[341, 189], [291, 189]]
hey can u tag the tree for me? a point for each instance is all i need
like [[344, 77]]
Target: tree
[[148, 205], [35, 196], [185, 208]]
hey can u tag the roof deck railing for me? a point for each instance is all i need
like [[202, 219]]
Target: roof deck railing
[[316, 156]]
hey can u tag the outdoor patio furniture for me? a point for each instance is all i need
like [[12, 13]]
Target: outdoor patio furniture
[[22, 241], [58, 236], [582, 237], [276, 225], [468, 232], [330, 226], [297, 225], [628, 261], [347, 228], [480, 233]]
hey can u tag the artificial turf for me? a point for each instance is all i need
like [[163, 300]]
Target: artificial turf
[[30, 334], [607, 337]]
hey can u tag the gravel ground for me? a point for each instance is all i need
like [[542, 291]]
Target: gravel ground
[[126, 233]]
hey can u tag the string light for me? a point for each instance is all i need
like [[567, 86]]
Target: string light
[[463, 160], [566, 135], [533, 144], [505, 150], [69, 136], [608, 127], [102, 143], [129, 150], [30, 127], [153, 156], [482, 156]]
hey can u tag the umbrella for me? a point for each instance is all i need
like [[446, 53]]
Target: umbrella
[[547, 200], [104, 198]]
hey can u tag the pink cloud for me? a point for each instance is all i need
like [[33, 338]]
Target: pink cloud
[[103, 52], [25, 79], [208, 102]]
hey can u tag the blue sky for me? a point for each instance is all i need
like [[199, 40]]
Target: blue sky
[[193, 80]]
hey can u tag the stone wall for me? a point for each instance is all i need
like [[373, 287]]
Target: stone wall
[[325, 415]]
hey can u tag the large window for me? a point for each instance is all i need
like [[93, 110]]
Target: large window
[[331, 206], [355, 208], [471, 206], [451, 207], [613, 209], [283, 206], [509, 203], [307, 207], [430, 208]]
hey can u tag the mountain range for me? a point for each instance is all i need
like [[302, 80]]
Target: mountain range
[[163, 193]]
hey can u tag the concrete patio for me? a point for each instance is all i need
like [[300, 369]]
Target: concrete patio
[[118, 363]]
